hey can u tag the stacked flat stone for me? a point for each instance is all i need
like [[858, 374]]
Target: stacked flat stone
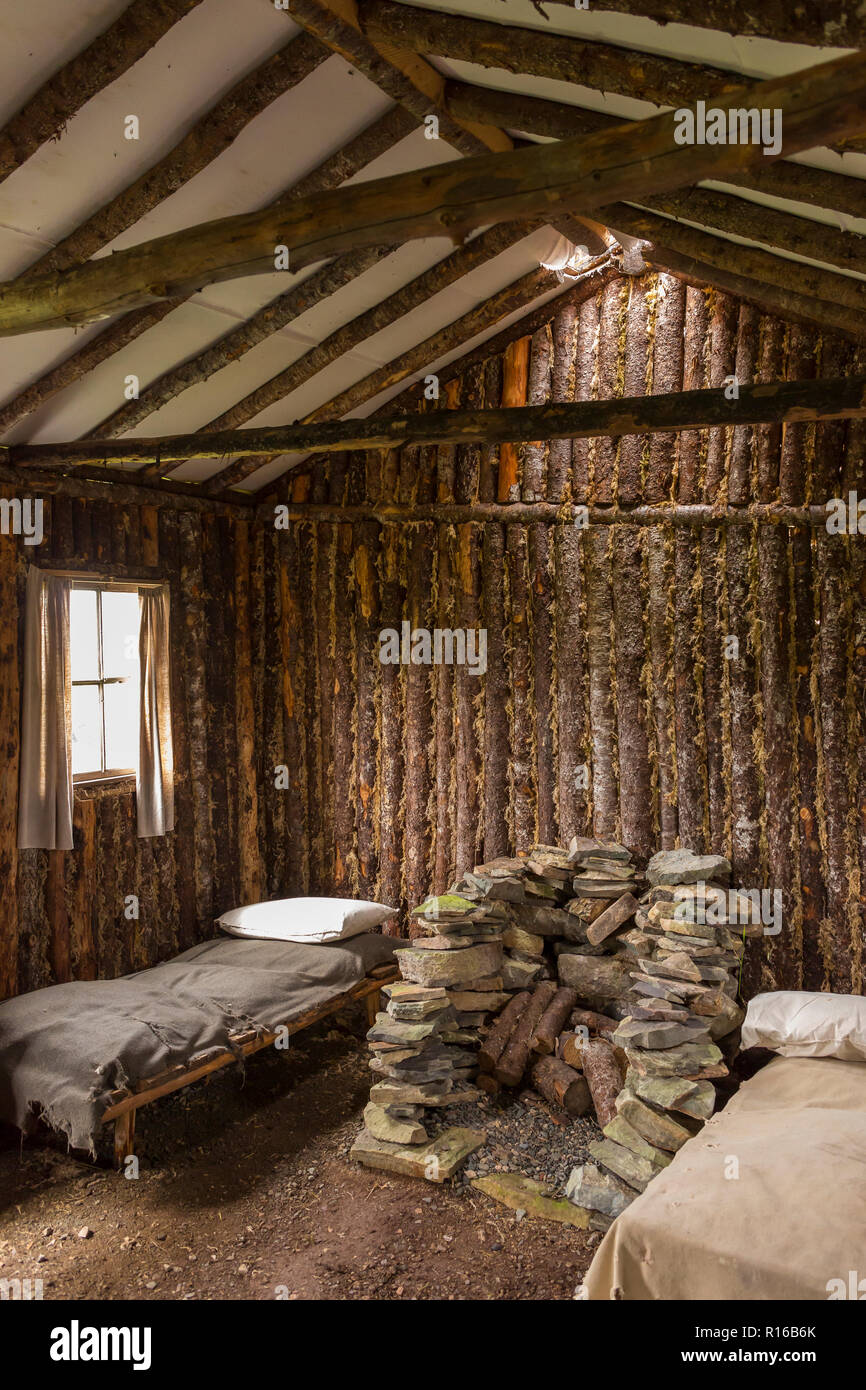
[[424, 1045], [686, 946], [529, 895]]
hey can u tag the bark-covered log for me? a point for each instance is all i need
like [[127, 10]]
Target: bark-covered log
[[629, 626], [825, 104], [584, 387], [419, 726], [541, 603], [667, 376], [495, 736], [595, 1022], [537, 393], [782, 179], [553, 1020], [497, 1039], [822, 23], [560, 1085], [603, 1077], [572, 799], [9, 747], [634, 383], [611, 332], [602, 710], [515, 376], [367, 669], [515, 1057], [467, 695], [522, 760], [563, 333], [691, 785]]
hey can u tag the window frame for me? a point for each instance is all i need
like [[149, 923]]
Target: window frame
[[99, 586]]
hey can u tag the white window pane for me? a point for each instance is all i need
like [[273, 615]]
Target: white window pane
[[121, 725], [119, 634], [83, 636], [86, 739]]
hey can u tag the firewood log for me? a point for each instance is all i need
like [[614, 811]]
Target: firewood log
[[569, 1048], [494, 1044], [603, 1076], [552, 1021], [596, 1023], [560, 1085], [515, 1058]]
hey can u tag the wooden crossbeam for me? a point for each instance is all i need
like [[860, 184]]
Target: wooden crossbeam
[[414, 295], [689, 514], [527, 322], [795, 290], [421, 358], [604, 67], [42, 118], [558, 120], [825, 23], [372, 142], [621, 164], [761, 403]]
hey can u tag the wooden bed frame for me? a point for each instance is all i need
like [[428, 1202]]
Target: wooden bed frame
[[124, 1102]]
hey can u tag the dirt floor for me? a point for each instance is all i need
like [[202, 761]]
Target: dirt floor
[[246, 1192]]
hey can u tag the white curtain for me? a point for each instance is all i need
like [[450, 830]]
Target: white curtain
[[45, 789], [155, 780]]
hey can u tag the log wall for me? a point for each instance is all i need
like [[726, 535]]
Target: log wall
[[63, 914], [659, 684]]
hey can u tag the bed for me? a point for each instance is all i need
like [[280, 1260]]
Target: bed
[[791, 1222], [90, 1053]]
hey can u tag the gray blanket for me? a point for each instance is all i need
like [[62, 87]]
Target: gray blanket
[[64, 1049]]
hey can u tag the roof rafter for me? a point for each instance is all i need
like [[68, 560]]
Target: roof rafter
[[209, 137], [824, 102], [423, 357], [604, 67], [825, 23], [799, 183], [373, 141], [141, 25]]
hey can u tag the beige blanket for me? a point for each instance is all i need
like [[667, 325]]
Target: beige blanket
[[790, 1223]]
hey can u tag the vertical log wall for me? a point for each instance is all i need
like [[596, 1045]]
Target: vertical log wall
[[656, 684], [63, 915]]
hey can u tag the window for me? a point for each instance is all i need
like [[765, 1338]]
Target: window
[[104, 622]]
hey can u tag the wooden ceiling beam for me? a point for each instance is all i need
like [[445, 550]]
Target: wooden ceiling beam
[[604, 67], [830, 24], [756, 404], [216, 130], [414, 295], [406, 77], [791, 289], [367, 146], [454, 198], [422, 358], [118, 48], [120, 487], [825, 23], [558, 120]]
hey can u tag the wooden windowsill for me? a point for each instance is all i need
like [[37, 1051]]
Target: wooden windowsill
[[104, 786]]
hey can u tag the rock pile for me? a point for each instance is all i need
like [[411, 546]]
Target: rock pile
[[683, 956]]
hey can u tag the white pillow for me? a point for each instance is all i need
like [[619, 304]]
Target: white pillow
[[799, 1024], [311, 920]]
